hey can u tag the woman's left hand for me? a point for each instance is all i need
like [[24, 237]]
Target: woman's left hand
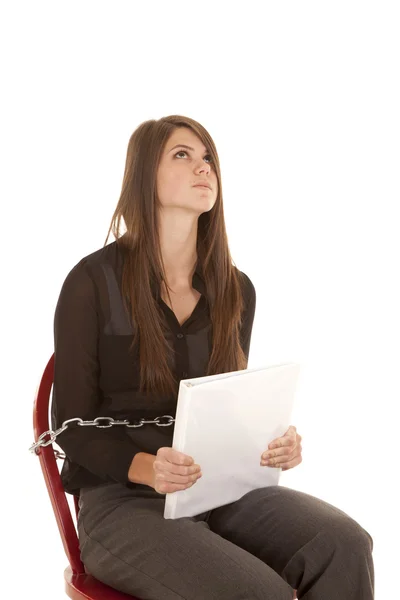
[[284, 452]]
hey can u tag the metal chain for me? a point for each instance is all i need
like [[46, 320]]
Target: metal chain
[[95, 423]]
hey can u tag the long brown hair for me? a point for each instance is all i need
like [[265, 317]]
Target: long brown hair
[[143, 271]]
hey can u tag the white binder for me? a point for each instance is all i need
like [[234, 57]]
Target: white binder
[[225, 422]]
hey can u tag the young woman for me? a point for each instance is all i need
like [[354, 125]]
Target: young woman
[[162, 303]]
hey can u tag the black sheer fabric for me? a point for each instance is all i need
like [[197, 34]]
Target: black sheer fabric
[[96, 375]]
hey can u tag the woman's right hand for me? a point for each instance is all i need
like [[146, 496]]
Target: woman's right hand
[[174, 471]]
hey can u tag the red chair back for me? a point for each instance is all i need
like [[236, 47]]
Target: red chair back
[[51, 474]]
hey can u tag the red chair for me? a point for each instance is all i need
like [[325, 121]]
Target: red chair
[[79, 585]]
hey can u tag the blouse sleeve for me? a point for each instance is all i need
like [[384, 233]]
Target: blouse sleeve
[[109, 452], [248, 317]]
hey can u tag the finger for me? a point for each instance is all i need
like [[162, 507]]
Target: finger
[[168, 488], [281, 455], [287, 461], [175, 457], [285, 451], [288, 438], [163, 466], [165, 476], [291, 431], [288, 464], [281, 442]]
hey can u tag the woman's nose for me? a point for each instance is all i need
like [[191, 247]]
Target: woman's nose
[[205, 167]]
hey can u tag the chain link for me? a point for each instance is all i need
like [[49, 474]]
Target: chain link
[[95, 423]]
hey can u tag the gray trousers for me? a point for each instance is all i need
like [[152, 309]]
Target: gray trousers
[[271, 541]]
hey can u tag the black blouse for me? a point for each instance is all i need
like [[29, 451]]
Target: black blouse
[[96, 375]]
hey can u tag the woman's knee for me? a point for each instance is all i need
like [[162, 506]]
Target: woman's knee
[[347, 532]]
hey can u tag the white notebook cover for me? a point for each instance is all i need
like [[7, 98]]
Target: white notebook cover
[[225, 422]]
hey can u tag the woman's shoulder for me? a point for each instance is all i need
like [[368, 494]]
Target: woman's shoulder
[[107, 254], [102, 255], [89, 268]]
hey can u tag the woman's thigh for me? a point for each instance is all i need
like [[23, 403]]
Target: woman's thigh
[[126, 543], [286, 529]]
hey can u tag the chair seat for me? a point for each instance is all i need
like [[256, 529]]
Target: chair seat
[[82, 586]]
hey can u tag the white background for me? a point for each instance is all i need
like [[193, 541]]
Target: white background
[[302, 100]]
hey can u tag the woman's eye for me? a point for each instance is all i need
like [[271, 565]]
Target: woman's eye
[[184, 152]]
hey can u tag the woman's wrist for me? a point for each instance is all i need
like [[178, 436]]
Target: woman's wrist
[[141, 469]]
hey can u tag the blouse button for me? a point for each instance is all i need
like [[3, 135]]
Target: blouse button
[[179, 335]]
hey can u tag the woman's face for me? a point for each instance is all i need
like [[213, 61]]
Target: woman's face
[[179, 171]]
